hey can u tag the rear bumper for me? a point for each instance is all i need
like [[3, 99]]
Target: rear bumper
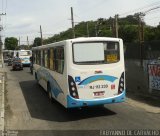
[[71, 102], [17, 68], [26, 63]]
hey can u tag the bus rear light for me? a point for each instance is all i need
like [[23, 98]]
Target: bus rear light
[[72, 88], [72, 83], [121, 84]]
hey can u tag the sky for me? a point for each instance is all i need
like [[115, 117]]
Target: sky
[[24, 17]]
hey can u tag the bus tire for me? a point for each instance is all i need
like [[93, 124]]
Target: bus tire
[[36, 76]]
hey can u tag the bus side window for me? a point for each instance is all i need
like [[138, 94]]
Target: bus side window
[[42, 58], [39, 57], [55, 59], [51, 59], [48, 58], [37, 62], [45, 58], [59, 59]]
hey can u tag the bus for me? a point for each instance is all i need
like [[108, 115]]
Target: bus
[[24, 55], [82, 71]]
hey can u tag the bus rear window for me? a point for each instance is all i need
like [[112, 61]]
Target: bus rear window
[[96, 52], [24, 53]]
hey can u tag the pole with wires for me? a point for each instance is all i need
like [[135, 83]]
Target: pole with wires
[[72, 21], [41, 35], [1, 28], [116, 26]]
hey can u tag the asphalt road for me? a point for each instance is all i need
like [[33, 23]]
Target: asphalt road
[[28, 109]]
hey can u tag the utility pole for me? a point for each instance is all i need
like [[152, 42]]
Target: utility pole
[[72, 21], [116, 25], [141, 31], [41, 35], [96, 33], [27, 41], [1, 28], [141, 36], [19, 41], [87, 30]]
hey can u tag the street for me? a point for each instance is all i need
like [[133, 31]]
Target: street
[[29, 108]]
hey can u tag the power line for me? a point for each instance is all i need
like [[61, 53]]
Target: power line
[[141, 8], [6, 6], [154, 8], [154, 12]]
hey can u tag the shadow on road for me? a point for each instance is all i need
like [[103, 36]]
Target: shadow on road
[[41, 107]]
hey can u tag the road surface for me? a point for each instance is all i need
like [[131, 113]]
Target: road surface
[[29, 108]]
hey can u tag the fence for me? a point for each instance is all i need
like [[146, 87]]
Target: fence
[[150, 50]]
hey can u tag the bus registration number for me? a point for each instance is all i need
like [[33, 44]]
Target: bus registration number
[[98, 86]]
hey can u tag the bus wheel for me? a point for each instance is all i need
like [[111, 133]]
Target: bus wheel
[[36, 76]]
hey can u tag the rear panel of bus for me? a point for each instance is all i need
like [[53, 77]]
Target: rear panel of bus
[[95, 72]]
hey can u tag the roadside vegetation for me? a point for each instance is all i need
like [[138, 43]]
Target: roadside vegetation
[[128, 29]]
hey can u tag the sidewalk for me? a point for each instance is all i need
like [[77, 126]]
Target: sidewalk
[[137, 84], [2, 97]]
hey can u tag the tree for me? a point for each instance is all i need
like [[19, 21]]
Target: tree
[[128, 29], [37, 42], [128, 33], [149, 33], [11, 43]]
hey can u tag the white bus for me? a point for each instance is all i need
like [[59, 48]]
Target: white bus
[[24, 55], [81, 72]]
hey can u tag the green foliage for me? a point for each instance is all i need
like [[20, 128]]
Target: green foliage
[[149, 33], [129, 20], [37, 42], [11, 43], [128, 33], [128, 30], [152, 33], [157, 33]]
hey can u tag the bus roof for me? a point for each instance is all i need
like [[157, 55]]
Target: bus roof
[[81, 39]]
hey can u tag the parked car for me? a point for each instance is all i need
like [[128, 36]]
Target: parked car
[[10, 60], [17, 65], [17, 59]]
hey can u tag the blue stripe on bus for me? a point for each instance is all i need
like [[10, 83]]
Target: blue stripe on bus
[[55, 88], [96, 78], [71, 102]]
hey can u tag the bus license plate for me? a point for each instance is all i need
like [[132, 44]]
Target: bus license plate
[[98, 86], [99, 94]]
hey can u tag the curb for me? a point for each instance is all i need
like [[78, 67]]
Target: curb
[[3, 105], [2, 112]]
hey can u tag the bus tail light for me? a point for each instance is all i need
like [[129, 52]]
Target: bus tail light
[[72, 88], [121, 84]]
